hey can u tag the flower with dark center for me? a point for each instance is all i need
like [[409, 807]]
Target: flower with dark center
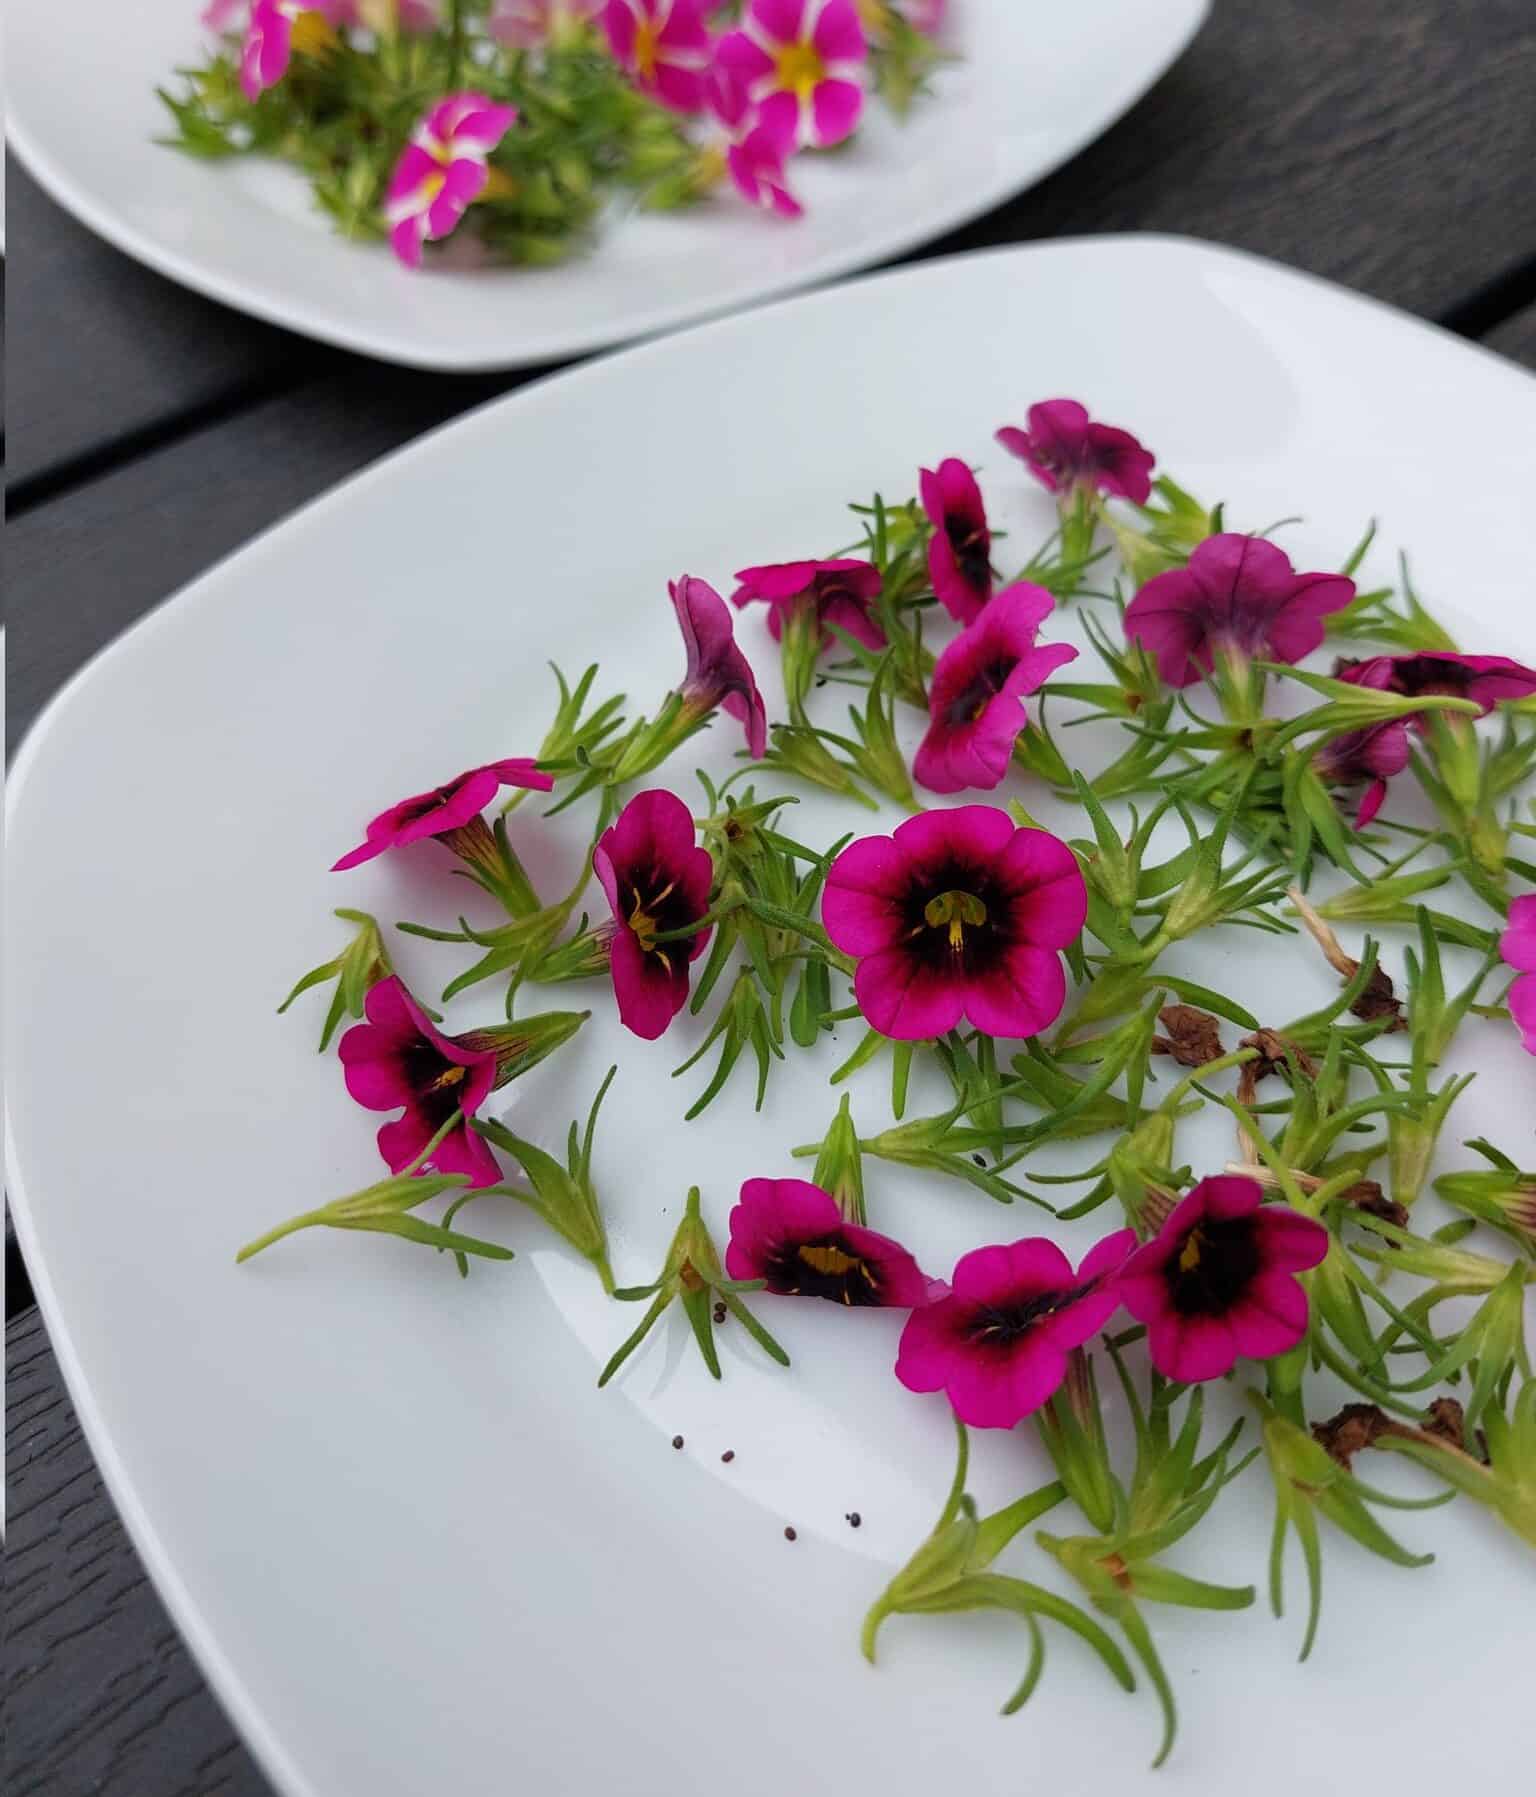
[[664, 45], [656, 879], [957, 914], [446, 812], [1065, 451], [960, 550], [976, 696], [792, 1234], [1372, 755], [1238, 599], [1487, 680], [998, 1344], [841, 592], [1219, 1280]]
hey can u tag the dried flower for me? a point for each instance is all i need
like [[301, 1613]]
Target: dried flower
[[793, 1237], [1193, 1038], [960, 549], [801, 63], [957, 914], [976, 695], [1219, 1280], [1066, 451]]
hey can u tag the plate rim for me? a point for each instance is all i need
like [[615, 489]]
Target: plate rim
[[445, 358], [227, 1684]]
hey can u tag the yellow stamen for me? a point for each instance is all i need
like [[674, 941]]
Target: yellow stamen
[[645, 49], [829, 1260], [1189, 1254], [956, 909], [450, 1076], [800, 69]]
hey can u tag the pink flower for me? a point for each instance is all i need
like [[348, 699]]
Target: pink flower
[[838, 592], [802, 65], [975, 699], [270, 38], [718, 674], [926, 16], [1518, 947], [1373, 754], [219, 15], [444, 809], [960, 552], [1219, 1280], [957, 914], [1065, 450], [792, 1234], [441, 170], [756, 166], [1239, 598], [998, 1344], [665, 46], [397, 1058], [656, 879], [1487, 680], [525, 24]]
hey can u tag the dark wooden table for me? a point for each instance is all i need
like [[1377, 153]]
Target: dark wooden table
[[1387, 144]]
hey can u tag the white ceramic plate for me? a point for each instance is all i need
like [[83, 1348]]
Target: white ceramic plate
[[413, 1546], [1036, 83]]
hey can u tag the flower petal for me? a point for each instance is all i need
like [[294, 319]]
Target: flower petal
[[1191, 1349], [904, 1000]]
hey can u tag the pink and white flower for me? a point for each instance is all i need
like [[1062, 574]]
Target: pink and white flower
[[802, 64], [526, 24], [665, 45], [275, 30], [757, 167], [442, 170]]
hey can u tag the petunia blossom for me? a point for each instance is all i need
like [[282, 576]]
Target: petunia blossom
[[757, 167], [397, 1057], [656, 879], [840, 592], [442, 170], [717, 674], [1067, 451], [442, 811], [1487, 680], [665, 45], [1218, 1281], [960, 550], [1239, 598], [976, 695], [957, 914], [1518, 947], [525, 24], [802, 64], [998, 1344], [792, 1235], [276, 30], [1372, 755]]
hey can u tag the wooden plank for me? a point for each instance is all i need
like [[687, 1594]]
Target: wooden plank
[[113, 352], [1516, 337], [102, 1696]]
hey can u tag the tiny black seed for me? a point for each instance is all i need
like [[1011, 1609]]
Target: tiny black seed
[[854, 1519], [728, 1456], [980, 1160], [677, 1441], [789, 1534], [720, 1313]]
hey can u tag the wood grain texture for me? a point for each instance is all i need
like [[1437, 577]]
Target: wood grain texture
[[1516, 338], [112, 350], [101, 1695]]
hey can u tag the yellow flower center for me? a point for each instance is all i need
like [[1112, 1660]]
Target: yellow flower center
[[956, 910], [1189, 1254], [450, 1076], [800, 69], [642, 924], [645, 49]]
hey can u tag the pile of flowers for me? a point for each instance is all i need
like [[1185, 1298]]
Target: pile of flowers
[[512, 122], [1026, 973]]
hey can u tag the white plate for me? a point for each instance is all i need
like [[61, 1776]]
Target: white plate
[[1036, 83], [413, 1546]]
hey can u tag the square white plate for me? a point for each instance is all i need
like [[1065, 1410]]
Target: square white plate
[[1036, 82], [413, 1546]]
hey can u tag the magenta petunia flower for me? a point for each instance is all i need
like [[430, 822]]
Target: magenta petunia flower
[[792, 1235], [665, 46], [442, 170], [802, 64], [656, 879], [1518, 947], [957, 914], [1372, 755], [1239, 598], [757, 167], [397, 1058], [443, 809], [960, 552], [998, 1344], [1066, 451], [525, 24], [1219, 1280], [976, 696], [718, 674], [840, 592], [1487, 680], [270, 34]]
